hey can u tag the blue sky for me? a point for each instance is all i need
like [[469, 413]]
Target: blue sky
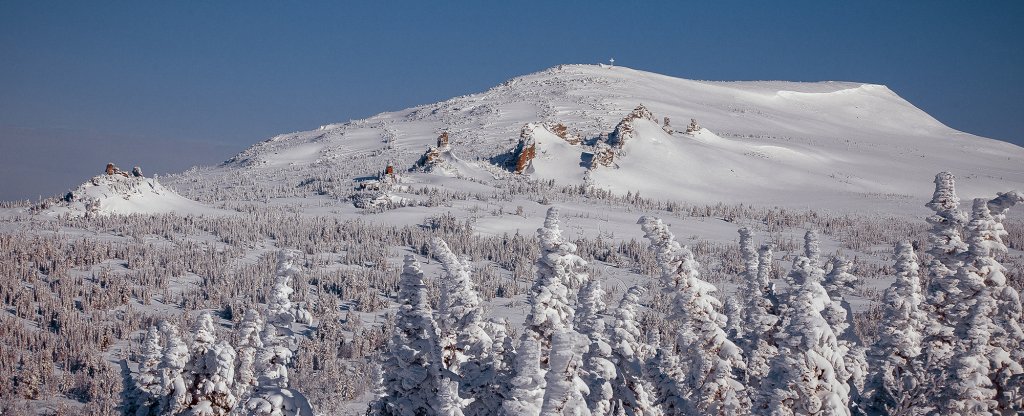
[[167, 85]]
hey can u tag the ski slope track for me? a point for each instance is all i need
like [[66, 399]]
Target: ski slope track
[[826, 145]]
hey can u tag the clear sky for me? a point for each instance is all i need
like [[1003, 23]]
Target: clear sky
[[167, 85]]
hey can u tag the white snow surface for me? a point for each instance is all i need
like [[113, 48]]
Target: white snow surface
[[117, 194], [836, 145]]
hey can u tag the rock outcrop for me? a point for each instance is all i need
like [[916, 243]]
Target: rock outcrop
[[624, 130]]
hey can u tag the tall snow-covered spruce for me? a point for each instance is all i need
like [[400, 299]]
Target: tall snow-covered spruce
[[598, 369], [803, 378], [893, 358], [412, 362], [551, 312], [715, 364], [758, 316], [465, 344]]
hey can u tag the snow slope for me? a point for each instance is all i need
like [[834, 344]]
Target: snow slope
[[835, 145], [117, 194]]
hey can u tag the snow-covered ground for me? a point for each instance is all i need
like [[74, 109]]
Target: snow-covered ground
[[853, 160]]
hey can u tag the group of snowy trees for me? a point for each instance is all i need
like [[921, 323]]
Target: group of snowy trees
[[247, 373], [954, 347]]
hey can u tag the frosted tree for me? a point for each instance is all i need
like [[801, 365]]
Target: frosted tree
[[943, 294], [211, 370], [893, 357], [248, 343], [502, 358], [550, 311], [272, 396], [839, 283], [411, 364], [281, 312], [632, 394], [148, 380], [668, 380], [174, 393], [465, 345], [812, 246], [526, 393], [802, 379], [599, 371], [987, 367], [566, 391], [757, 316], [213, 394], [715, 365]]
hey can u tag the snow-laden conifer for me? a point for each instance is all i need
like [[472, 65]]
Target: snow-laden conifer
[[526, 393], [465, 345], [598, 370], [566, 391], [248, 343], [632, 394], [802, 379], [715, 365], [281, 312], [147, 382], [551, 311], [840, 283], [174, 392], [411, 363], [987, 366], [893, 357], [757, 316], [812, 246], [213, 393], [943, 295], [558, 268]]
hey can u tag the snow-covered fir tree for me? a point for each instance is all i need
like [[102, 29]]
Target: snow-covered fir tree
[[803, 379], [248, 342], [211, 371], [987, 365], [839, 283], [147, 382], [943, 295], [715, 365], [566, 392], [281, 312], [758, 314], [526, 392], [893, 357], [465, 344], [551, 311], [598, 369], [174, 392], [632, 394], [411, 364]]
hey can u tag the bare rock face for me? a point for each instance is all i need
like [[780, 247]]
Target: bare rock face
[[525, 151], [442, 140], [693, 127], [604, 155], [562, 131], [624, 130]]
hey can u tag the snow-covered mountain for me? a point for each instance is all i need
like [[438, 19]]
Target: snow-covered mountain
[[747, 193], [119, 192], [837, 145]]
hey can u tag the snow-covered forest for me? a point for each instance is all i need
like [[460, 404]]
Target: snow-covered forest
[[270, 336], [550, 246]]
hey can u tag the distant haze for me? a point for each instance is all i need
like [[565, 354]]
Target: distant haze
[[167, 85]]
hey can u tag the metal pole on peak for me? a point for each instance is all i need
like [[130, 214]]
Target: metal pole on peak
[[611, 62]]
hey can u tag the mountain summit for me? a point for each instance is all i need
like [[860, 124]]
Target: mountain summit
[[836, 145]]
